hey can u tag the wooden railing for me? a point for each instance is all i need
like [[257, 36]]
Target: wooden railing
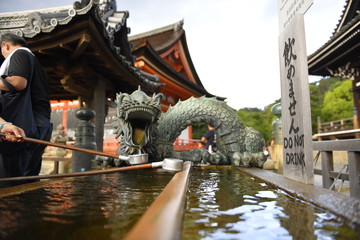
[[110, 145], [352, 147], [346, 128], [338, 125], [186, 144]]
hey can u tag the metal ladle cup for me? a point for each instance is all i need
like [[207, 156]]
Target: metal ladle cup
[[136, 159], [170, 164]]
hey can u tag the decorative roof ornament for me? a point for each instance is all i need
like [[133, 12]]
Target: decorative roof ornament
[[107, 8], [179, 25], [345, 72], [172, 27], [29, 24]]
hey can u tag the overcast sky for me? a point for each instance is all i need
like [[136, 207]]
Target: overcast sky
[[233, 43]]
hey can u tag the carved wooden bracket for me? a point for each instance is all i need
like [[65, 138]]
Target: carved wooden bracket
[[346, 72], [82, 44], [70, 85]]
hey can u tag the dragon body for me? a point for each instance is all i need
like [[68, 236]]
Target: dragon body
[[143, 128]]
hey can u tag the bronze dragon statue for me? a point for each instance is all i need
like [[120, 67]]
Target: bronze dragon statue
[[143, 128]]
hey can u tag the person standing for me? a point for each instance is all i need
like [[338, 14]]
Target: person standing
[[209, 139], [22, 75]]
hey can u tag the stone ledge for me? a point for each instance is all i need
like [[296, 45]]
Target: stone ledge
[[337, 203]]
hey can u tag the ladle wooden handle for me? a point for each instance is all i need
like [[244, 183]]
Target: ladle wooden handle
[[78, 174], [84, 150]]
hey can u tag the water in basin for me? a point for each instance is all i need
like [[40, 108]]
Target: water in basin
[[94, 207], [224, 203]]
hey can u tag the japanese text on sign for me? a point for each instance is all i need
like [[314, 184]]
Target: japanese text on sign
[[293, 140], [289, 8]]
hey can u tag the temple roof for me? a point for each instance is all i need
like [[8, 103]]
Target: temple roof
[[350, 12], [341, 52], [161, 39], [75, 42], [166, 48]]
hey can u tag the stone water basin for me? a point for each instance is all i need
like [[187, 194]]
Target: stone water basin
[[222, 203]]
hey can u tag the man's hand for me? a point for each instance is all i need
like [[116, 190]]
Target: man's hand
[[13, 133]]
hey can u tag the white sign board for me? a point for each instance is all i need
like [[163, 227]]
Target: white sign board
[[289, 8], [295, 103]]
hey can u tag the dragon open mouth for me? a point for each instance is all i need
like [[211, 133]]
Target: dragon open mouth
[[140, 119], [138, 116], [141, 114]]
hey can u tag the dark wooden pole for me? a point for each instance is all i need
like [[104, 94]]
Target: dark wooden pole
[[78, 174], [70, 147]]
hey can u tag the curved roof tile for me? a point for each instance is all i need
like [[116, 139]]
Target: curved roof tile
[[31, 23]]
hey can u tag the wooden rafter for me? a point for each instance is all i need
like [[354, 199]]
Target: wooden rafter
[[71, 86], [82, 45]]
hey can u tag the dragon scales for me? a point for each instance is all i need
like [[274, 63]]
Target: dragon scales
[[143, 128]]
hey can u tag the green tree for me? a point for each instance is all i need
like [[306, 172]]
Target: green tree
[[198, 130], [315, 104], [318, 90], [325, 84], [260, 120], [338, 102]]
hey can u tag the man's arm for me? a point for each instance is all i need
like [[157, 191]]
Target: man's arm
[[18, 72], [18, 82]]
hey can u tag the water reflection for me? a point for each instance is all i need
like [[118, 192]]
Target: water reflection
[[227, 204], [222, 204], [95, 207]]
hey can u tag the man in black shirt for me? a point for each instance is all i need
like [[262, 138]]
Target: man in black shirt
[[209, 139], [21, 71]]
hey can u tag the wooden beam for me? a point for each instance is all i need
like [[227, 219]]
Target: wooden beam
[[92, 54], [66, 47], [47, 52], [338, 145], [82, 45], [59, 42], [69, 96], [327, 165], [90, 71], [99, 108], [354, 172], [70, 86], [78, 41]]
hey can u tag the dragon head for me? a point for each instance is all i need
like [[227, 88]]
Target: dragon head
[[137, 115]]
